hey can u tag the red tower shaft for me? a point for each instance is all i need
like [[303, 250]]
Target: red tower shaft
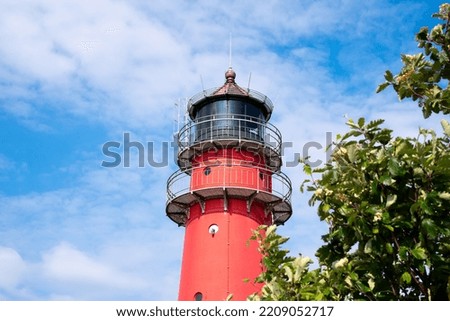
[[228, 184]]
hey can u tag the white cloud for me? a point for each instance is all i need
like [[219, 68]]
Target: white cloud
[[70, 52], [107, 237], [12, 268], [70, 268], [119, 271], [121, 63]]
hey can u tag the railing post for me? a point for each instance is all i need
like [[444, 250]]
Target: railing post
[[189, 139], [239, 129], [211, 130], [257, 178]]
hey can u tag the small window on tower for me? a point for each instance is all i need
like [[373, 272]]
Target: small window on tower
[[261, 175], [207, 171], [198, 296]]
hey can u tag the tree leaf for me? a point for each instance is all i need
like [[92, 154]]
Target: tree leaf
[[394, 167], [351, 152], [348, 281], [387, 180], [271, 229], [430, 227], [389, 248], [361, 122], [406, 277], [388, 76], [288, 272], [373, 124], [419, 253], [368, 247], [444, 195], [403, 148], [391, 199], [446, 126], [307, 169], [382, 87]]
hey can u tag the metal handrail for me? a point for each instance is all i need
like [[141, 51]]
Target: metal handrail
[[179, 183], [242, 127]]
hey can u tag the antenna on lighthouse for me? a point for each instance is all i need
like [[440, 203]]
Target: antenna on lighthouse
[[230, 51], [176, 120], [180, 120], [203, 87]]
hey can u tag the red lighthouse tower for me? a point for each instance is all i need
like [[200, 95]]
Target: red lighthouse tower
[[229, 183]]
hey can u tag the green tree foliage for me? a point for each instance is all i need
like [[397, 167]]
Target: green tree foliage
[[385, 199], [425, 76], [289, 279], [387, 202]]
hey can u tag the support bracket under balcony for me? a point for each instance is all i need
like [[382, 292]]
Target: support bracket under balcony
[[269, 207], [250, 201], [181, 205], [225, 199], [200, 200]]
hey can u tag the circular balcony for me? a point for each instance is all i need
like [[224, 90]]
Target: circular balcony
[[225, 131], [271, 188]]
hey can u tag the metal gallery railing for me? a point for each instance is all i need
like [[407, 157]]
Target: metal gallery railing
[[223, 176], [220, 128]]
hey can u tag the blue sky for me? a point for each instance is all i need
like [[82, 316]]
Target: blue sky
[[75, 75]]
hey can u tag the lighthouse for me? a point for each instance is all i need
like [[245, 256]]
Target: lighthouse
[[229, 182]]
